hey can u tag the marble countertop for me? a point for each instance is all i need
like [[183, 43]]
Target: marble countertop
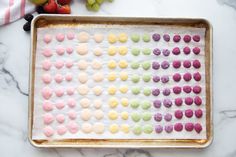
[[14, 72]]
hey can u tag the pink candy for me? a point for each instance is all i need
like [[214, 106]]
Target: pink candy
[[60, 118], [59, 64], [60, 37], [71, 102], [70, 35], [47, 78], [47, 106], [58, 78], [60, 105], [70, 90], [47, 52], [73, 127], [48, 118], [69, 63], [68, 77], [46, 64], [47, 38], [72, 114], [69, 50], [46, 92], [61, 129], [60, 50], [59, 92], [48, 131]]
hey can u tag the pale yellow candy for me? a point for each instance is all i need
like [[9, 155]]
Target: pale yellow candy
[[123, 50], [111, 76], [112, 90], [123, 64], [112, 50], [123, 89], [124, 102], [112, 64], [123, 76], [123, 37], [113, 102], [114, 128], [124, 115], [97, 90], [125, 128], [113, 115], [112, 38]]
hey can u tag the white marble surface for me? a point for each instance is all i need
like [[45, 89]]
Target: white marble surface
[[14, 65]]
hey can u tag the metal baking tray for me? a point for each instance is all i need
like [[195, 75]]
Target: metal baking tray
[[72, 20]]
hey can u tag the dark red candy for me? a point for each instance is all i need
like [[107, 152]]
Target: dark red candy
[[196, 64], [198, 127], [188, 113], [187, 64], [186, 50], [187, 89], [198, 113], [196, 50], [177, 90], [176, 64], [197, 89], [188, 101], [198, 100], [178, 127], [187, 77], [176, 38], [178, 101], [187, 38], [196, 38], [178, 114], [176, 77], [197, 76], [176, 51], [189, 126]]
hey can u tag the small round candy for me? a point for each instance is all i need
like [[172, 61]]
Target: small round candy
[[189, 126], [134, 103], [73, 127], [135, 65], [186, 50], [86, 128], [47, 78], [124, 102], [187, 76], [97, 103], [135, 90], [69, 63], [196, 64], [59, 64], [60, 105], [165, 79], [98, 37], [71, 102], [165, 65], [82, 64], [112, 38], [158, 117], [112, 50], [83, 89], [112, 90], [155, 92], [166, 37], [123, 37], [146, 37], [188, 113], [156, 51], [98, 114], [156, 37], [167, 103], [61, 130], [146, 51], [112, 76], [198, 127], [187, 38], [114, 128], [82, 49], [47, 38], [48, 131], [123, 76], [178, 101], [96, 64], [135, 116], [85, 114], [197, 100], [157, 103], [135, 78], [135, 38], [196, 38], [125, 128], [197, 76], [169, 128], [124, 115], [83, 37], [46, 65], [176, 51], [46, 92], [146, 77], [147, 129], [47, 106], [98, 77], [146, 116], [166, 92], [177, 89], [178, 127], [97, 90], [83, 77], [176, 64], [178, 114], [135, 51], [197, 89], [123, 64], [60, 37], [166, 52], [158, 128], [48, 118], [188, 101], [123, 89], [176, 38], [156, 79], [196, 50], [59, 91], [198, 113], [98, 128], [146, 65], [123, 50], [155, 65], [168, 117], [113, 102], [187, 89], [147, 91], [97, 51], [69, 50], [60, 50], [112, 64], [68, 77], [145, 104], [137, 129], [72, 114], [187, 64], [60, 118]]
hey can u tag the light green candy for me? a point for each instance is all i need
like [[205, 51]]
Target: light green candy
[[147, 91], [146, 37], [134, 103], [135, 51], [148, 129], [146, 116], [135, 78], [135, 116], [135, 38], [137, 129], [135, 65], [146, 51], [146, 65], [147, 77], [145, 104], [135, 90]]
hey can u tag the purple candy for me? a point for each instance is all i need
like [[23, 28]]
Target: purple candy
[[198, 127], [176, 77], [158, 128], [188, 101], [177, 90], [178, 101], [166, 37], [189, 126], [176, 64], [197, 76], [157, 103], [178, 127], [187, 64], [187, 89], [196, 38], [169, 128], [156, 37], [165, 79], [167, 103], [187, 77], [178, 114], [196, 50], [155, 65], [156, 51], [187, 38], [197, 89], [158, 117], [196, 64], [197, 100], [188, 113], [156, 79], [176, 38], [176, 51], [165, 65], [198, 113], [166, 52], [155, 92], [168, 117], [186, 50], [166, 92]]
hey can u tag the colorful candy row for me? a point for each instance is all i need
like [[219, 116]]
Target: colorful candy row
[[175, 51], [176, 64]]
